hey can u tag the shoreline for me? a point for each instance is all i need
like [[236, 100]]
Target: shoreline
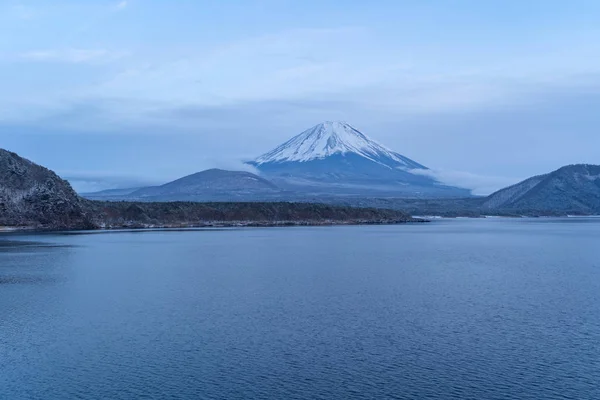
[[10, 228], [265, 224], [215, 224], [491, 216]]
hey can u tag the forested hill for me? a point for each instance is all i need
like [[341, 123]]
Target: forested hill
[[32, 196]]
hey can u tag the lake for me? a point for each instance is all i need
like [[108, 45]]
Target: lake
[[453, 309]]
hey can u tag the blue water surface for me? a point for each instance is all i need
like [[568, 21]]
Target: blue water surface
[[454, 309]]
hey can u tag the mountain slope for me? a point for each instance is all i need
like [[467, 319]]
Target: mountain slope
[[208, 184], [330, 138], [570, 189], [33, 196], [335, 158], [109, 193]]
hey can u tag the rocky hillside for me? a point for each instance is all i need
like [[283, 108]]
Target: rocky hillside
[[33, 196], [571, 189]]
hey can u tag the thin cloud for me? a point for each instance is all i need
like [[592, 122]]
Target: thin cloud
[[121, 5], [92, 181], [480, 185], [23, 12], [72, 56]]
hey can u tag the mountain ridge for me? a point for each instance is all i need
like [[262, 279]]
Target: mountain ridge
[[34, 197], [210, 182], [334, 137], [571, 188], [335, 157]]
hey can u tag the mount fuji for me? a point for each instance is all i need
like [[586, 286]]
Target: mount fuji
[[335, 158]]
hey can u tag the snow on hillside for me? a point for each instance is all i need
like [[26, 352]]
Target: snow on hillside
[[330, 138], [512, 193]]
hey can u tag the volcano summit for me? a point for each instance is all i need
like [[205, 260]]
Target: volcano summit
[[335, 158]]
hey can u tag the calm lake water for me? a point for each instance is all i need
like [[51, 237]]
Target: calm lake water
[[458, 309]]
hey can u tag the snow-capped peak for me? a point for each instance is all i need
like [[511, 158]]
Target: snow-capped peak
[[331, 138]]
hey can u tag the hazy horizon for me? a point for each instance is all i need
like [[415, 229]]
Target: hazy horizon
[[130, 93]]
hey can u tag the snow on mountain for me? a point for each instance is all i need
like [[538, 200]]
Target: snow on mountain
[[330, 138], [571, 189], [335, 158]]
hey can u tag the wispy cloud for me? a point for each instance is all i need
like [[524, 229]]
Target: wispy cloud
[[480, 96], [72, 55], [22, 11], [91, 181], [478, 184], [321, 63], [121, 5], [336, 64], [276, 66]]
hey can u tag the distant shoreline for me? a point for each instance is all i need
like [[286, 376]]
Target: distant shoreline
[[269, 224], [216, 225]]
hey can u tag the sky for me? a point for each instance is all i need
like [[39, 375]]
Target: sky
[[136, 92]]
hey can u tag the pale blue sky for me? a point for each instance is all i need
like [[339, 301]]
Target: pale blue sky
[[118, 93]]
